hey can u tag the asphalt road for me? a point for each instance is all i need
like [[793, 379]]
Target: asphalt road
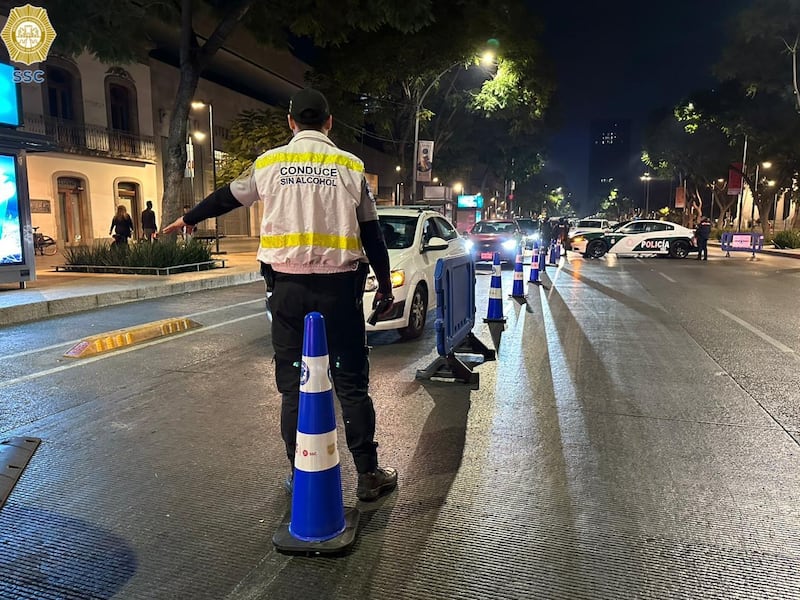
[[637, 437]]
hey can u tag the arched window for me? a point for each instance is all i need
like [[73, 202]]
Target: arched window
[[121, 102], [62, 91]]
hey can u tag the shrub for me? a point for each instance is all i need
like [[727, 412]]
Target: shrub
[[160, 254], [787, 239]]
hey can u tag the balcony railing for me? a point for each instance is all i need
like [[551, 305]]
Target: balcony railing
[[92, 140]]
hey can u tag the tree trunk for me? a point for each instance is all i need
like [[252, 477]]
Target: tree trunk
[[176, 145], [193, 59]]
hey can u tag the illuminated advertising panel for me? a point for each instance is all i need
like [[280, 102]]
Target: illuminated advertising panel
[[10, 221], [9, 106], [466, 201]]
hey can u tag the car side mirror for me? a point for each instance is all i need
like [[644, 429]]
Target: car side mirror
[[435, 243]]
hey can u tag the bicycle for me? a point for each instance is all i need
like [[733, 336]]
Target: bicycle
[[43, 244]]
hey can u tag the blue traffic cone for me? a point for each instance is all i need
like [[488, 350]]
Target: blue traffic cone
[[542, 257], [518, 289], [558, 252], [495, 312], [533, 277], [319, 521]]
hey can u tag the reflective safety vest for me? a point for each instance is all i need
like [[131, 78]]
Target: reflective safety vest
[[310, 190]]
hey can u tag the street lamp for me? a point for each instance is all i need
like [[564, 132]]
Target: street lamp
[[646, 178], [197, 105], [763, 165], [488, 58]]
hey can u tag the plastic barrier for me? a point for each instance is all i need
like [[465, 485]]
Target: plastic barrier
[[318, 522], [454, 282], [741, 242]]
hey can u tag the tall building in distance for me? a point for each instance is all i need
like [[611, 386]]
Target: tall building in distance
[[609, 158]]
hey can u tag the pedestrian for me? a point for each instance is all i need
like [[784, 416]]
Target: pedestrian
[[319, 228], [149, 222], [121, 226], [701, 233]]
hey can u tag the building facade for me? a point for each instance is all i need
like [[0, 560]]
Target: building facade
[[609, 158]]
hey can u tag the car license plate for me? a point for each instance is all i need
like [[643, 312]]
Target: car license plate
[[487, 256]]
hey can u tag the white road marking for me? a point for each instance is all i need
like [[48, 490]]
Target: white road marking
[[667, 277], [86, 361], [73, 342], [758, 332]]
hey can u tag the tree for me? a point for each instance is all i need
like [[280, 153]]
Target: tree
[[118, 32], [762, 52], [436, 68], [689, 143]]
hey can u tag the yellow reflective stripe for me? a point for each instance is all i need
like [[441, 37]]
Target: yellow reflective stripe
[[324, 240], [317, 158]]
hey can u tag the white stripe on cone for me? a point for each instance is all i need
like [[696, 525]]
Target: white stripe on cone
[[316, 452], [495, 293], [315, 374]]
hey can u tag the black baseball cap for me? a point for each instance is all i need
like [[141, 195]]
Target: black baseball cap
[[309, 107]]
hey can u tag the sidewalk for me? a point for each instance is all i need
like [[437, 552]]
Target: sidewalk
[[59, 293]]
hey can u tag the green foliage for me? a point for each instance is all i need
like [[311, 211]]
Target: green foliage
[[160, 254], [787, 239]]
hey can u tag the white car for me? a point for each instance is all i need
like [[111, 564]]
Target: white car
[[416, 239], [640, 237]]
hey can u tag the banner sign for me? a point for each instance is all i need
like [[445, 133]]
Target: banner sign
[[680, 197], [735, 179], [424, 160]]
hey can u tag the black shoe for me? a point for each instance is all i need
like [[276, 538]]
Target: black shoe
[[706, 258], [288, 484], [372, 485]]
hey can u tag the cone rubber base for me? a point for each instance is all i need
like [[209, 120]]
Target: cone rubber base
[[286, 542], [500, 320], [518, 295]]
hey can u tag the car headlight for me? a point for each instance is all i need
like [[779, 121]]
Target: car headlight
[[398, 278], [468, 244], [509, 244], [577, 239]]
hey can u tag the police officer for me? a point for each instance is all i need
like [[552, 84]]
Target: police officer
[[701, 233], [319, 228]]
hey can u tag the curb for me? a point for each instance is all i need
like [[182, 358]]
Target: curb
[[35, 311]]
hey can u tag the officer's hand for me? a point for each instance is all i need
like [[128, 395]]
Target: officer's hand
[[176, 225], [381, 307]]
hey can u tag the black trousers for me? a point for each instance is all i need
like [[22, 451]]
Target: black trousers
[[339, 297], [702, 248]]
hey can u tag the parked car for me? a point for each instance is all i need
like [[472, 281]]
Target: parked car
[[640, 237], [494, 235], [530, 231], [591, 225], [416, 239]]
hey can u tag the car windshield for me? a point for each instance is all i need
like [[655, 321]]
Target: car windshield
[[590, 223], [528, 225], [398, 231], [619, 226], [494, 227]]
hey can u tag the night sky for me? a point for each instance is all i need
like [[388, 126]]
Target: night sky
[[621, 59]]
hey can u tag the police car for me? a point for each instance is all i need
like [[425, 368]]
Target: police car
[[639, 237], [416, 238]]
